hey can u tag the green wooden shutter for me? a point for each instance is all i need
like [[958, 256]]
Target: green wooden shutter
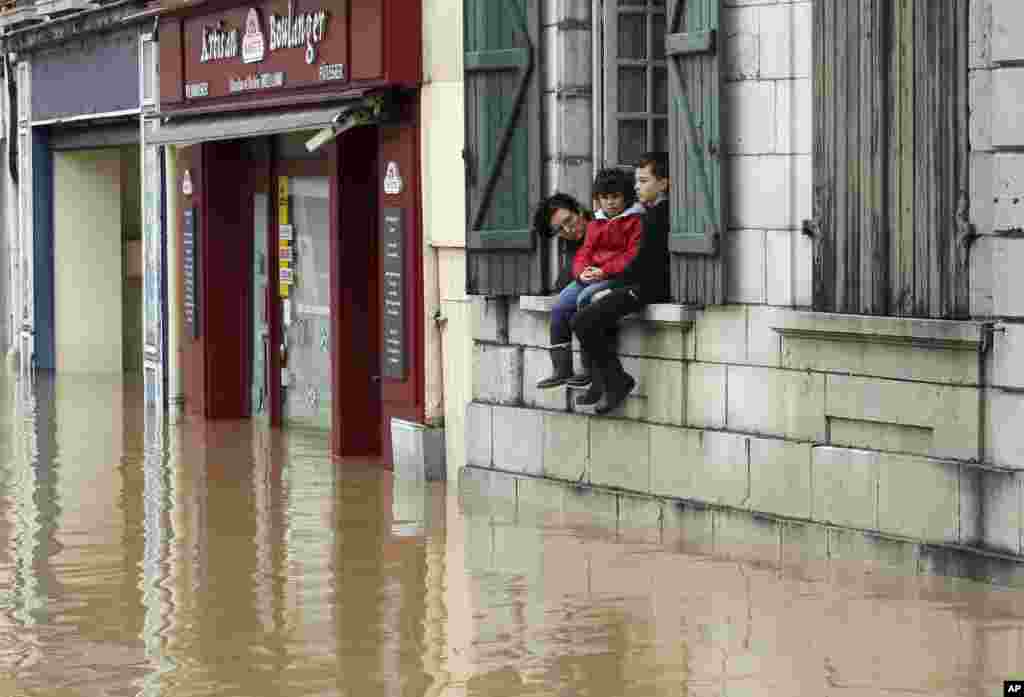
[[694, 55], [503, 128], [695, 111]]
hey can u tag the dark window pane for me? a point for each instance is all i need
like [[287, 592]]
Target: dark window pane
[[632, 141], [658, 36], [660, 105], [632, 3], [632, 36], [632, 89], [660, 135]]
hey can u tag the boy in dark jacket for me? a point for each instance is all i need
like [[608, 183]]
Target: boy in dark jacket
[[611, 241], [644, 280]]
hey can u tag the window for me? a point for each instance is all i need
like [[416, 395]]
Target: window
[[635, 80], [890, 221]]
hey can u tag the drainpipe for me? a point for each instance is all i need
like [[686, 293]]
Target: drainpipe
[[175, 393]]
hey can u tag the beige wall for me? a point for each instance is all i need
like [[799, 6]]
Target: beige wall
[[449, 347], [87, 261]]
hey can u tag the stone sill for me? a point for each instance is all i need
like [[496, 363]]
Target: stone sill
[[658, 313], [926, 333]]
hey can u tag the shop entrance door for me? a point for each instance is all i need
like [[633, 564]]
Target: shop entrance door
[[306, 312], [260, 350]]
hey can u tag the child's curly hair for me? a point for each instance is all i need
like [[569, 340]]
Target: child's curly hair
[[615, 181]]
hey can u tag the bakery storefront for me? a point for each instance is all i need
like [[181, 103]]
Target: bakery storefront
[[291, 140]]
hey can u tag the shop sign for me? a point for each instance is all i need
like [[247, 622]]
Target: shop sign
[[253, 44], [292, 31], [393, 282], [256, 81], [392, 179], [197, 89], [218, 43]]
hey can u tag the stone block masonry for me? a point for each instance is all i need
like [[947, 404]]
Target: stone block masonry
[[874, 425]]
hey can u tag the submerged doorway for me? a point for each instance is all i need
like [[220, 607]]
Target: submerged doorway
[[97, 261]]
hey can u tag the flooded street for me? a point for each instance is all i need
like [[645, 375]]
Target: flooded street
[[227, 559]]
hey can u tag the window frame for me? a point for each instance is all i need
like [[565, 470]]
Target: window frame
[[608, 68]]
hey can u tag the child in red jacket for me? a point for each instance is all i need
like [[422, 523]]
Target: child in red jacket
[[611, 242]]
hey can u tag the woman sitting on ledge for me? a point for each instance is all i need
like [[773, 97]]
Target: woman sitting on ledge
[[610, 242]]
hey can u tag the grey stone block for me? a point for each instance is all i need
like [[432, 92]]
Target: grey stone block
[[722, 334], [498, 374], [780, 477], [1007, 90], [536, 366], [918, 497], [519, 440], [689, 527], [479, 435], [620, 454], [528, 327], [490, 320], [1007, 28], [705, 395], [699, 465], [1006, 357], [418, 451], [1002, 511], [1004, 437], [658, 396], [845, 485], [856, 546], [487, 494], [971, 514], [805, 549], [777, 402], [748, 536], [566, 446], [640, 519]]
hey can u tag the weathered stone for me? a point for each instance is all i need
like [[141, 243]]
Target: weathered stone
[[784, 40], [689, 527], [918, 497], [952, 412], [979, 42], [590, 507], [982, 99], [1008, 169], [779, 268], [699, 465], [566, 446], [844, 483], [1007, 27], [658, 396], [537, 366], [805, 549], [770, 192], [1007, 280], [539, 498], [764, 345], [527, 327], [479, 435], [620, 454], [498, 374], [741, 42], [972, 506], [780, 477], [1006, 356], [518, 440], [750, 117], [488, 494], [705, 395], [897, 438], [722, 334], [640, 519], [652, 340], [491, 320], [794, 108], [745, 257], [1004, 437], [776, 402], [1002, 511], [747, 536], [855, 546]]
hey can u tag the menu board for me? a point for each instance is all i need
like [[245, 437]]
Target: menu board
[[393, 283], [190, 243]]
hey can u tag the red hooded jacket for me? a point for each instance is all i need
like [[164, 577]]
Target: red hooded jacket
[[610, 244]]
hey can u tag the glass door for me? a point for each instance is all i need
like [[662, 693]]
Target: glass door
[[306, 377], [260, 385]]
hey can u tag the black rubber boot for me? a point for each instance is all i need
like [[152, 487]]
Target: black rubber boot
[[583, 379], [618, 385], [561, 368], [595, 392]]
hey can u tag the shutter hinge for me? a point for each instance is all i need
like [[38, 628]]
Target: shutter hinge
[[966, 232], [467, 165]]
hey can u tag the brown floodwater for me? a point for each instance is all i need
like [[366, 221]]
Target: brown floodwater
[[146, 559]]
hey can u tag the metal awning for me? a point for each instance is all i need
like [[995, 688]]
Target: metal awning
[[229, 127]]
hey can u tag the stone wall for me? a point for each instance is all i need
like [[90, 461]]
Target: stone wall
[[873, 424]]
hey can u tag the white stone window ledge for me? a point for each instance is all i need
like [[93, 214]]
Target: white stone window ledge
[[925, 333], [658, 313]]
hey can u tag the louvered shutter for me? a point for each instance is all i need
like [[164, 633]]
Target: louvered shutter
[[503, 145], [694, 54]]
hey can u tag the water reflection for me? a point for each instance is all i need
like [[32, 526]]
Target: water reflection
[[227, 559]]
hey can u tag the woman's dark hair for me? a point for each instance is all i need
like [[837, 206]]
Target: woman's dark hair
[[615, 181], [547, 207]]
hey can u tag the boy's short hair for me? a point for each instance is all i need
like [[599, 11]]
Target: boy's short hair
[[547, 207], [657, 162], [615, 181]]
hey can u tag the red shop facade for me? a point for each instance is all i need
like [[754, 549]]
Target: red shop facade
[[298, 217]]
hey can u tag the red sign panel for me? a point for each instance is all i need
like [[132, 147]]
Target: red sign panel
[[266, 47]]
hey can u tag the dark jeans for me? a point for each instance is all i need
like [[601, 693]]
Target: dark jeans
[[573, 297], [596, 326]]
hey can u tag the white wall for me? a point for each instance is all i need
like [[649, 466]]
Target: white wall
[[87, 261], [449, 347]]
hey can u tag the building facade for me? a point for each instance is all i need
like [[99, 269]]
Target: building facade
[[841, 341]]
